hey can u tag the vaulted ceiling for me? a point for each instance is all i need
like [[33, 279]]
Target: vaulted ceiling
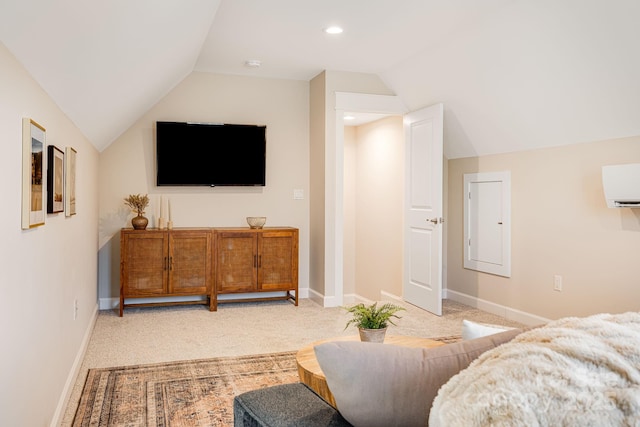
[[512, 74]]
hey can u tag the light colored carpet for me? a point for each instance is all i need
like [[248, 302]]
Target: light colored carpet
[[163, 334]]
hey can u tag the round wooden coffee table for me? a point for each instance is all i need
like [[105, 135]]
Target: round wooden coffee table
[[311, 374]]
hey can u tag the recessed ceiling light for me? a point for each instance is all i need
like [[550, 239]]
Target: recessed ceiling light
[[349, 117], [253, 63], [333, 30]]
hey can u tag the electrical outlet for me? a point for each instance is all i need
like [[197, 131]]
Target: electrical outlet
[[557, 283], [75, 309]]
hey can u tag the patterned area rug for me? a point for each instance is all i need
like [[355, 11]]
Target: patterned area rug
[[179, 394], [190, 393]]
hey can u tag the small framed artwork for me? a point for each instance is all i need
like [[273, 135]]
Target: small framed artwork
[[55, 180], [70, 181], [33, 177]]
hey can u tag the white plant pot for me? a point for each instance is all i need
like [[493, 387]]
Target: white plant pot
[[372, 335]]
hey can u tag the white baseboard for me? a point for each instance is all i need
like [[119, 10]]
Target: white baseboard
[[316, 297], [73, 373], [112, 303], [500, 310], [388, 296], [349, 299], [488, 306], [108, 303], [322, 300], [356, 299]]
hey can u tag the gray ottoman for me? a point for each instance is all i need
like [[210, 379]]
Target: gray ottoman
[[285, 405]]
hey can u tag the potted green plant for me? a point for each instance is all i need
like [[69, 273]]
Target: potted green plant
[[371, 320], [138, 203]]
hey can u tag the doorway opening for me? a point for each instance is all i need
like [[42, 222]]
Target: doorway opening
[[373, 183], [335, 238]]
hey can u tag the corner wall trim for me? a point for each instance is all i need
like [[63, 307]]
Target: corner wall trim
[[322, 300], [500, 310], [108, 303]]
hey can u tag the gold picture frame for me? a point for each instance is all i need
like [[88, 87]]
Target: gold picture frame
[[70, 181], [33, 174]]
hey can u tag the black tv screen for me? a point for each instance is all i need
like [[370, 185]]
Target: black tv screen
[[197, 154]]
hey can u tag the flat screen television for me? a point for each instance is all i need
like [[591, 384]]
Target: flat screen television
[[201, 154]]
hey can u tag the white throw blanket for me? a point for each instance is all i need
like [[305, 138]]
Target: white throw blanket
[[570, 372]]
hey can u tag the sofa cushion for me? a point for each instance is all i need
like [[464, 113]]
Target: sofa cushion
[[386, 385], [472, 330]]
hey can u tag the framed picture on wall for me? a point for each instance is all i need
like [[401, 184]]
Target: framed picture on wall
[[55, 180], [70, 181], [33, 176]]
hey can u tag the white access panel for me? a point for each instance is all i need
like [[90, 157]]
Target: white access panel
[[487, 222]]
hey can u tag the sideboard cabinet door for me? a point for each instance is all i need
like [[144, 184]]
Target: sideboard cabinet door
[[143, 264], [190, 262], [236, 261], [278, 260]]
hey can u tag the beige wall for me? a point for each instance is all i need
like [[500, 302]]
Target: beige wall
[[350, 192], [378, 199], [317, 135], [560, 226], [46, 268], [127, 165], [325, 183]]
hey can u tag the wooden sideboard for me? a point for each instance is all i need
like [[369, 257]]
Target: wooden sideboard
[[256, 260], [208, 262]]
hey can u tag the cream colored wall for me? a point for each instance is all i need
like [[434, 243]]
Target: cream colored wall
[[350, 166], [560, 226], [346, 81], [46, 268], [127, 166], [325, 184], [379, 191], [317, 112]]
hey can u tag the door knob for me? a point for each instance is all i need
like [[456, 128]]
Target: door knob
[[436, 220]]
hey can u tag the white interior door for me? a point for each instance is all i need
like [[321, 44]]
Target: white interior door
[[422, 281]]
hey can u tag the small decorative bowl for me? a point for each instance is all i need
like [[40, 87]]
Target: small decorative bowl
[[256, 221]]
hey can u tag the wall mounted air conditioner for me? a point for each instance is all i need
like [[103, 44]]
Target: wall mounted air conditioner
[[622, 185]]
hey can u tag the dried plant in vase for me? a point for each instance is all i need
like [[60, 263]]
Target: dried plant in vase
[[138, 203]]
